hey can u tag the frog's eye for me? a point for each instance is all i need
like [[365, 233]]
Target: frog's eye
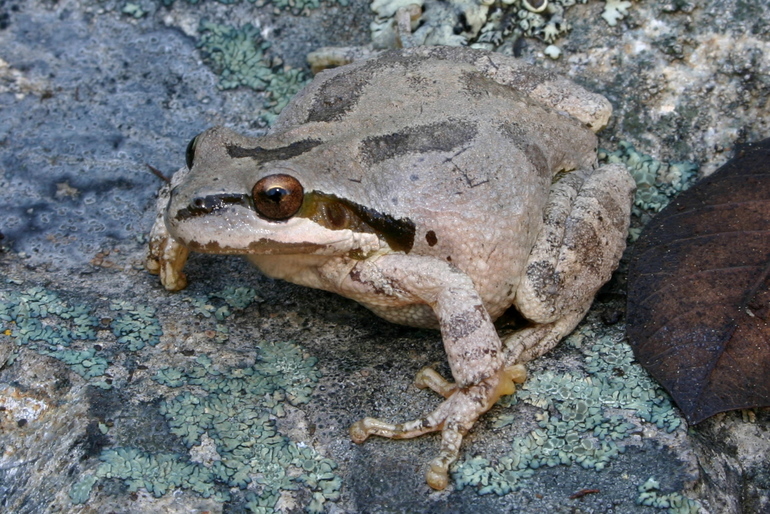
[[189, 154], [277, 197]]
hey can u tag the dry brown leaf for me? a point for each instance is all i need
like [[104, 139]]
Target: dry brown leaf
[[699, 290]]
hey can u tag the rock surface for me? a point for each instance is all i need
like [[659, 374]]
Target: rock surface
[[237, 393]]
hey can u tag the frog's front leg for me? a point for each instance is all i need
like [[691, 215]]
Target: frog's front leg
[[582, 240], [166, 256], [471, 342]]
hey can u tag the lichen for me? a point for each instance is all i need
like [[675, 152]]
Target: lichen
[[227, 413], [673, 503], [231, 409], [614, 11], [586, 415], [296, 7], [134, 10], [158, 474], [37, 319], [135, 327], [485, 24], [656, 182], [238, 56]]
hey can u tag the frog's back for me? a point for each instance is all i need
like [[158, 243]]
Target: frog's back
[[436, 136]]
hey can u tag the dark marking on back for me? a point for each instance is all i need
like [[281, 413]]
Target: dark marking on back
[[442, 136], [478, 85], [523, 140], [338, 96], [430, 238], [262, 155]]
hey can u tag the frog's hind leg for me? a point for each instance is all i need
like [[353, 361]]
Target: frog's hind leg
[[583, 236], [531, 342], [454, 417]]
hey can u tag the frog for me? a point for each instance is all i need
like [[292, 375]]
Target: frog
[[440, 187]]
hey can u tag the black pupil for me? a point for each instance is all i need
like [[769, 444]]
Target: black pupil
[[276, 194]]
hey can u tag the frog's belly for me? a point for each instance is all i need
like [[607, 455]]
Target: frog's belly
[[421, 315], [417, 315]]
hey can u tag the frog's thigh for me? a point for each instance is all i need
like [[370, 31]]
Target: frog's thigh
[[471, 342], [583, 237]]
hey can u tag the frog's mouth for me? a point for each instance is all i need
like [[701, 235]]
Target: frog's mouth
[[226, 224], [324, 211]]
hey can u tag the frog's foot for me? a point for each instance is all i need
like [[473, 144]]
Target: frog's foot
[[166, 257], [454, 417]]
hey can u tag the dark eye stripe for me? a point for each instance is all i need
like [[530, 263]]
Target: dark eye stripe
[[208, 204]]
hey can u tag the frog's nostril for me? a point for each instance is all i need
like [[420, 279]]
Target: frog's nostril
[[202, 205]]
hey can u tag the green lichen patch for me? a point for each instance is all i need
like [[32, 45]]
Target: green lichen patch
[[586, 415], [135, 327], [158, 474], [673, 503], [239, 56], [220, 305], [134, 10], [294, 6], [226, 416], [656, 182], [38, 319]]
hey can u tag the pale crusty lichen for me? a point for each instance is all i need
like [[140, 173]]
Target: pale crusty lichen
[[615, 10], [486, 24]]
